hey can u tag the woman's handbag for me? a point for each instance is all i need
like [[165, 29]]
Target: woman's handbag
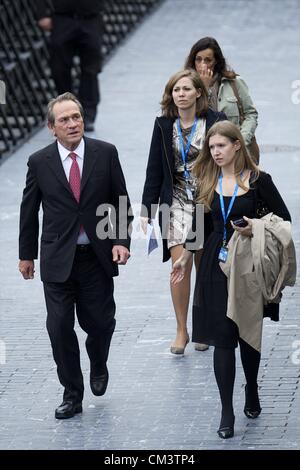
[[260, 206], [253, 148]]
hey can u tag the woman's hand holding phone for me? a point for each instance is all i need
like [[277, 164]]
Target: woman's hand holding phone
[[243, 226]]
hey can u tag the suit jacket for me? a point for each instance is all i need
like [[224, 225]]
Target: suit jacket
[[160, 170], [81, 7], [102, 183]]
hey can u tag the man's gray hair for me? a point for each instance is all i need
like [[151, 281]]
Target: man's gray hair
[[59, 99]]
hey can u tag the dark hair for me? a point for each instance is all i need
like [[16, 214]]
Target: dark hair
[[221, 66], [67, 96], [168, 107]]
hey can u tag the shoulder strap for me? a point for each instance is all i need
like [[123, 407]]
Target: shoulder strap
[[239, 102]]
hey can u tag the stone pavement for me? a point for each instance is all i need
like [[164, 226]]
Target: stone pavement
[[156, 400]]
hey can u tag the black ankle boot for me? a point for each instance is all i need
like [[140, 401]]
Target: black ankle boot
[[252, 407], [226, 429]]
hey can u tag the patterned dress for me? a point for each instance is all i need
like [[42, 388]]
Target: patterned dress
[[182, 208]]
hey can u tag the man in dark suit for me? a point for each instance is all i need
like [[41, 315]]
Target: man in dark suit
[[76, 179], [76, 30]]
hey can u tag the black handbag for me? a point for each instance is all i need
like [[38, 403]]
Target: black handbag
[[261, 207]]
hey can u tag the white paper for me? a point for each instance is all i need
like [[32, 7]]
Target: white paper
[[151, 238]]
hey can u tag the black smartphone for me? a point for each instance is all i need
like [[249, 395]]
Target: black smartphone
[[240, 222]]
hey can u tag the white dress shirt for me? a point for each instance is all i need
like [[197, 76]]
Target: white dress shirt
[[66, 161]]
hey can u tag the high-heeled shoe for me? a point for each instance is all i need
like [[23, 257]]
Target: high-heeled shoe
[[179, 349], [201, 347], [252, 407], [226, 431]]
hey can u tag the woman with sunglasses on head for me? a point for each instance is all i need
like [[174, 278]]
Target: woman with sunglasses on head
[[227, 91]]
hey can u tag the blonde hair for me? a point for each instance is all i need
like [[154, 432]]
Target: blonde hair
[[207, 171], [168, 107]]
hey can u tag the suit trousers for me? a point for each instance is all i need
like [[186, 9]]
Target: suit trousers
[[80, 37], [90, 291]]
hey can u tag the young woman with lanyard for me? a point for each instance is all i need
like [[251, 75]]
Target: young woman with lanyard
[[178, 136], [229, 185]]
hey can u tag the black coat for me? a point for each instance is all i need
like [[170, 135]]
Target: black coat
[[64, 7], [158, 188], [102, 183], [266, 199]]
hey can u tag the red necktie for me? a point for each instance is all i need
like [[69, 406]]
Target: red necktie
[[74, 177], [74, 180]]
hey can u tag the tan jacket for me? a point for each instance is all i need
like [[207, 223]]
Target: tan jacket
[[258, 269], [227, 103]]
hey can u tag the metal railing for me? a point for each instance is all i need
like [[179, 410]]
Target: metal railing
[[24, 62]]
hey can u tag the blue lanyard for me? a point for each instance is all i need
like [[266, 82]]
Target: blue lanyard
[[185, 151], [225, 216]]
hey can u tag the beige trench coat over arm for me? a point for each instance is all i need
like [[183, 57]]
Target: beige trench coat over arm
[[258, 269]]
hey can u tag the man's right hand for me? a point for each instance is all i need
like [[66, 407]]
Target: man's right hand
[[26, 268], [45, 23]]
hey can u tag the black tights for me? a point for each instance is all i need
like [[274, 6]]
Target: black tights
[[224, 367]]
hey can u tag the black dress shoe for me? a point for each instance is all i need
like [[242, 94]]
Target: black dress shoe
[[68, 409], [226, 430], [252, 414], [252, 407], [99, 383]]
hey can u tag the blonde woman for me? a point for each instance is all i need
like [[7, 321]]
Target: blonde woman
[[178, 136], [230, 185]]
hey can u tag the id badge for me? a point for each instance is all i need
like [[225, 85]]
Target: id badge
[[189, 194], [223, 254]]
